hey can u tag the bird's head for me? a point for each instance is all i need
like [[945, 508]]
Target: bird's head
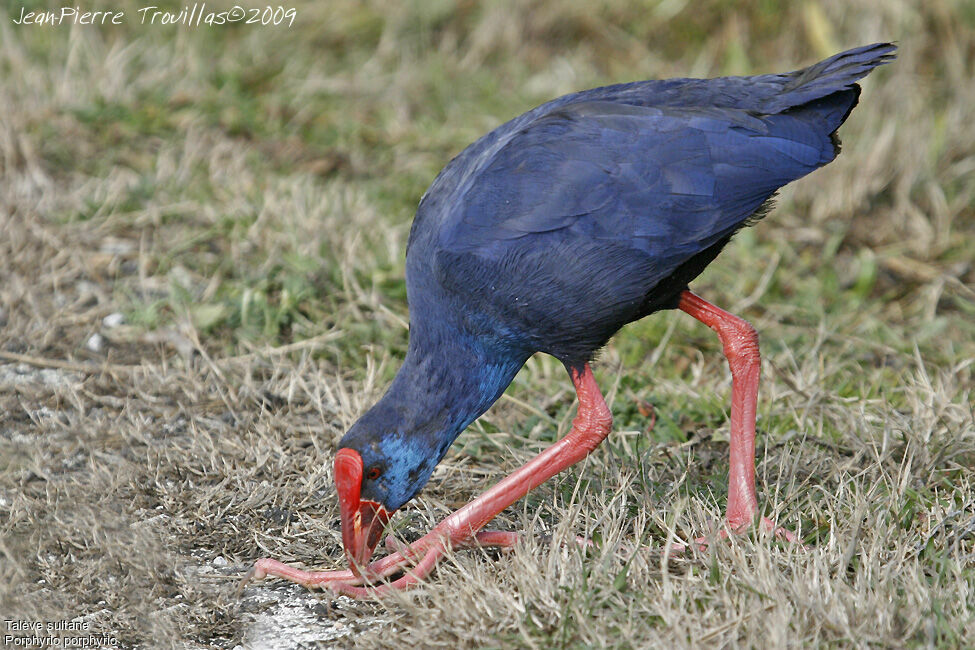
[[390, 452], [377, 470]]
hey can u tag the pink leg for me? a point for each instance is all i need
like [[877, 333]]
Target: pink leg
[[740, 342], [590, 426]]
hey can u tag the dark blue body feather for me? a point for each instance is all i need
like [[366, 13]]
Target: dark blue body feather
[[593, 210]]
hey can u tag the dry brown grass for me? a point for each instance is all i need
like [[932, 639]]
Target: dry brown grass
[[244, 196]]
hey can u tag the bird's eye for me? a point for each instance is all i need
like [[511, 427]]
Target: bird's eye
[[374, 473]]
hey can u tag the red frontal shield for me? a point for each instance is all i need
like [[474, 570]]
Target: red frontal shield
[[362, 521]]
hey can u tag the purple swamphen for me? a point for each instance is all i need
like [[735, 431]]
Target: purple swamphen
[[548, 235]]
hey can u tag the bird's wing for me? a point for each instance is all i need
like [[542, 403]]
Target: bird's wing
[[669, 182]]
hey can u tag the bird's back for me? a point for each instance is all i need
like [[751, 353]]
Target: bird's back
[[594, 209]]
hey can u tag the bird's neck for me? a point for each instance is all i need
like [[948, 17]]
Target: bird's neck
[[447, 381]]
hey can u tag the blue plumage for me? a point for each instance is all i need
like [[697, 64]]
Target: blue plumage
[[593, 210]]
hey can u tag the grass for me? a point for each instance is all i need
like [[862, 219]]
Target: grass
[[242, 196]]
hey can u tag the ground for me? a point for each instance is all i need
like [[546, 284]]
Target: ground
[[201, 288]]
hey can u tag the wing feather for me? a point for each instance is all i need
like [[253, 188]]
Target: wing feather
[[665, 182]]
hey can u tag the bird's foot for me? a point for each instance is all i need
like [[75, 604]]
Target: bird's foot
[[415, 561], [357, 584], [402, 559], [764, 524]]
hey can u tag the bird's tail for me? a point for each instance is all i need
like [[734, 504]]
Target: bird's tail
[[837, 73]]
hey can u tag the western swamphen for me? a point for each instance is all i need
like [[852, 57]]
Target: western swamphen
[[548, 235]]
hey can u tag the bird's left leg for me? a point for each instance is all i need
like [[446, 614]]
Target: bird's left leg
[[740, 342]]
